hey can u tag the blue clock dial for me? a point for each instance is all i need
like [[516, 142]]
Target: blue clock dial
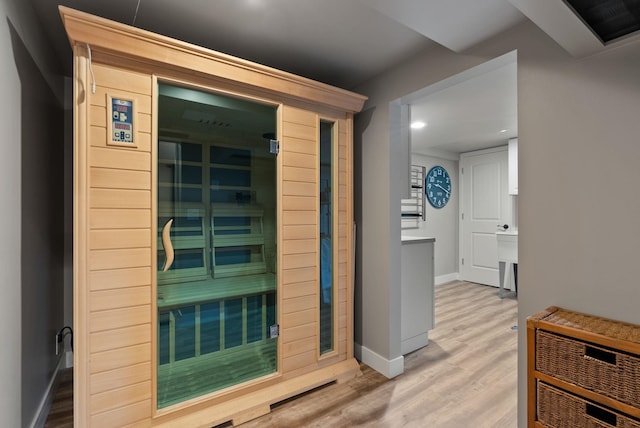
[[437, 186]]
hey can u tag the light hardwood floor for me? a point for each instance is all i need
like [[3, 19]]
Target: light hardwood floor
[[465, 377]]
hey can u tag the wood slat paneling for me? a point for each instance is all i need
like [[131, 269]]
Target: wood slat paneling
[[300, 116], [299, 217], [300, 160], [119, 198], [144, 123], [297, 145], [118, 398], [295, 319], [119, 298], [295, 261], [98, 116], [122, 415], [107, 76], [143, 101], [297, 304], [119, 259], [296, 246], [119, 358], [119, 378], [299, 346], [299, 203], [121, 278], [300, 131], [120, 179], [118, 318], [295, 173], [109, 239], [299, 332], [305, 359], [298, 275], [120, 338], [299, 289], [120, 158], [98, 135], [298, 188], [299, 232], [120, 219]]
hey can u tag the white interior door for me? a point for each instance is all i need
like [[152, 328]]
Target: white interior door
[[485, 207]]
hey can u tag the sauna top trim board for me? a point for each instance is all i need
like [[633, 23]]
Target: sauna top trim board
[[141, 45]]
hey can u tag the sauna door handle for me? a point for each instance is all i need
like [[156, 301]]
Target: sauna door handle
[[168, 246]]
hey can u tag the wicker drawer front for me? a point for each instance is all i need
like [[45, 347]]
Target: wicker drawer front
[[610, 373], [558, 409]]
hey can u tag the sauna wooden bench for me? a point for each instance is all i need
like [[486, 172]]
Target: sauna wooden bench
[[211, 290]]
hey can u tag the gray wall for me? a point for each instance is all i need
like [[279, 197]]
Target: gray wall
[[441, 223], [10, 306], [578, 177], [31, 190]]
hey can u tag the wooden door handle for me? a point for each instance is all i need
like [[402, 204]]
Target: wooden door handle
[[168, 246]]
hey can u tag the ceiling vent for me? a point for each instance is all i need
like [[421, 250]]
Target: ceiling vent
[[608, 19]]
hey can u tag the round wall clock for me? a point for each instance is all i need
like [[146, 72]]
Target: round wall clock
[[437, 185]]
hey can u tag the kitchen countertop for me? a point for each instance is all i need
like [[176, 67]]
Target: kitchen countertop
[[507, 232], [408, 238]]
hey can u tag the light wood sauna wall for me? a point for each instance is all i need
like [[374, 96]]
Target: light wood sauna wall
[[118, 319], [119, 361], [300, 259]]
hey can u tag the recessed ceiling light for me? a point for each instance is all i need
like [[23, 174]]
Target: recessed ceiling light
[[503, 130], [418, 124]]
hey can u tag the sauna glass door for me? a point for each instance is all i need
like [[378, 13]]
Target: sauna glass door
[[216, 295]]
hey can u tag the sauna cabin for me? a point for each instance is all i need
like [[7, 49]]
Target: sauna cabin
[[213, 231]]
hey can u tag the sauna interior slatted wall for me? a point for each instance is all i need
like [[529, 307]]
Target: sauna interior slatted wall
[[119, 273]]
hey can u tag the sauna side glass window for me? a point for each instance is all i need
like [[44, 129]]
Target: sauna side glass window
[[327, 302], [216, 258]]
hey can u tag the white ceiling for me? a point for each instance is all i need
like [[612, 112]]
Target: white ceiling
[[347, 42], [470, 111]]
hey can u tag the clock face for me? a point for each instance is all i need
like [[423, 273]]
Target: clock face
[[437, 186]]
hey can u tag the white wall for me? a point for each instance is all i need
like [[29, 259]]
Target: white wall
[[579, 172], [441, 223]]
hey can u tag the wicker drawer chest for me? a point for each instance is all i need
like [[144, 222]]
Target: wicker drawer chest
[[583, 371]]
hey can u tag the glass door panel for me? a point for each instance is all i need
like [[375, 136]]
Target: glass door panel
[[216, 243], [327, 303]]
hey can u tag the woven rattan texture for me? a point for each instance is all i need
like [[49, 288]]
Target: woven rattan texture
[[613, 329], [563, 410], [568, 359]]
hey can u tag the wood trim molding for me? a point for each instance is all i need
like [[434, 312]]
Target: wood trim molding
[[144, 46]]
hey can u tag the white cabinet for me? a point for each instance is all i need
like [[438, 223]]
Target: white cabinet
[[417, 296], [513, 166], [507, 258]]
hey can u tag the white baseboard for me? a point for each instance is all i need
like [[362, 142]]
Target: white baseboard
[[414, 343], [388, 368], [443, 279], [41, 415]]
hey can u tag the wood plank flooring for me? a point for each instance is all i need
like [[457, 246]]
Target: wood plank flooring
[[61, 412], [466, 377]]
